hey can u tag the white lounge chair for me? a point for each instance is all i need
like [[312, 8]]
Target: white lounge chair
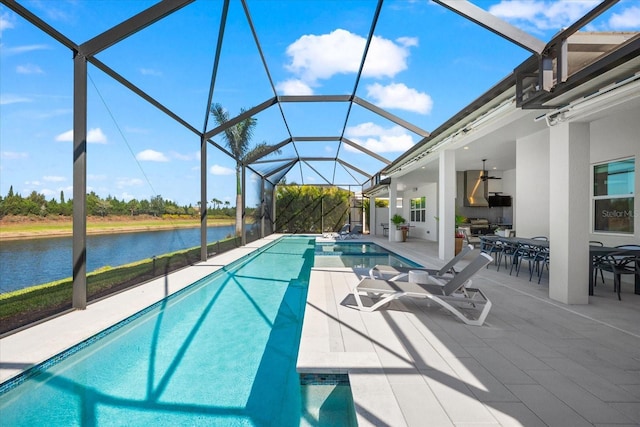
[[344, 231], [448, 294], [356, 233], [383, 271]]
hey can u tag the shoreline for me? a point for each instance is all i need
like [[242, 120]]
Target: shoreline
[[25, 235], [98, 228]]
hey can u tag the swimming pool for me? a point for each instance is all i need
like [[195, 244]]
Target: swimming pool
[[357, 254], [221, 352]]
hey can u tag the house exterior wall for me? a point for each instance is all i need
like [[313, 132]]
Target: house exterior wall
[[427, 230], [532, 186], [382, 215], [617, 137], [509, 178]]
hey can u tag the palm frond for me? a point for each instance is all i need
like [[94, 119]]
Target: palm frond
[[237, 137], [259, 151]]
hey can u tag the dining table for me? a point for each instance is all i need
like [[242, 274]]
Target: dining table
[[594, 253], [517, 240]]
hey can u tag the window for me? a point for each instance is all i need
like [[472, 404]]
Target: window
[[419, 209], [613, 196]]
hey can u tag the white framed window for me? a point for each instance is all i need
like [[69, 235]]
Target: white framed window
[[613, 196], [419, 209]]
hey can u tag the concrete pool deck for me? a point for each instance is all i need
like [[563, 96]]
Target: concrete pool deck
[[535, 362]]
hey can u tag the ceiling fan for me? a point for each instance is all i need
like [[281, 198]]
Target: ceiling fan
[[485, 175]]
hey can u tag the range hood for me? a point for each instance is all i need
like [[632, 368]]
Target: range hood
[[475, 189]]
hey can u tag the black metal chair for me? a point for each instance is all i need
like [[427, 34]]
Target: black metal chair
[[619, 263], [531, 254], [596, 260], [542, 262], [507, 251], [490, 246]]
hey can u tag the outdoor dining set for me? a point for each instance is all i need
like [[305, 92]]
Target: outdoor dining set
[[511, 252]]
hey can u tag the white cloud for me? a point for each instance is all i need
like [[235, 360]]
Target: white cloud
[[65, 136], [221, 170], [48, 193], [151, 156], [128, 182], [94, 136], [186, 157], [126, 196], [51, 178], [317, 57], [294, 87], [408, 41], [150, 72], [629, 19], [542, 15], [379, 139], [29, 69], [23, 49], [398, 95], [5, 22], [14, 155], [8, 98]]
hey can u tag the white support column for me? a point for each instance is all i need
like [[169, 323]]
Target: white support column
[[569, 213], [447, 204], [372, 216], [393, 195]]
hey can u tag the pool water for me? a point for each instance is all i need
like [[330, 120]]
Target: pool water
[[327, 401], [221, 352], [357, 254]]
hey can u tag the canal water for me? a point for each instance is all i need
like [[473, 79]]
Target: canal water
[[30, 262]]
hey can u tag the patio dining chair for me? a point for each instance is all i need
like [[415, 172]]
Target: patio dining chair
[[490, 247], [596, 261], [542, 262], [507, 251], [532, 254], [619, 263]]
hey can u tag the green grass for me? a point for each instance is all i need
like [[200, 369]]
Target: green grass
[[65, 226]]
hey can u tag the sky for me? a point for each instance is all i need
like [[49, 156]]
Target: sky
[[424, 65]]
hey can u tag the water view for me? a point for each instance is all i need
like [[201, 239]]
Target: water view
[[30, 262]]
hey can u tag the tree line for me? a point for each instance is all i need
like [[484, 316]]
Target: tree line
[[36, 204]]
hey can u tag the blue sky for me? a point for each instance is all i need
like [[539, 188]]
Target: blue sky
[[424, 65]]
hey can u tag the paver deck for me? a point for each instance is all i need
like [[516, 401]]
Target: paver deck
[[535, 362]]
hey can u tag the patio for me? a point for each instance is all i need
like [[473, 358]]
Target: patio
[[534, 362]]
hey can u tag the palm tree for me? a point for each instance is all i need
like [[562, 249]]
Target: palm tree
[[216, 203], [238, 140]]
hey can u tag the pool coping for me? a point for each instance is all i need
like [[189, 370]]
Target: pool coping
[[323, 349]]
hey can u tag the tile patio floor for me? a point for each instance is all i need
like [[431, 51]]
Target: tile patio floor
[[535, 362]]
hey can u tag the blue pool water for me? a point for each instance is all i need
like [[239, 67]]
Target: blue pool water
[[221, 352], [357, 254]]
